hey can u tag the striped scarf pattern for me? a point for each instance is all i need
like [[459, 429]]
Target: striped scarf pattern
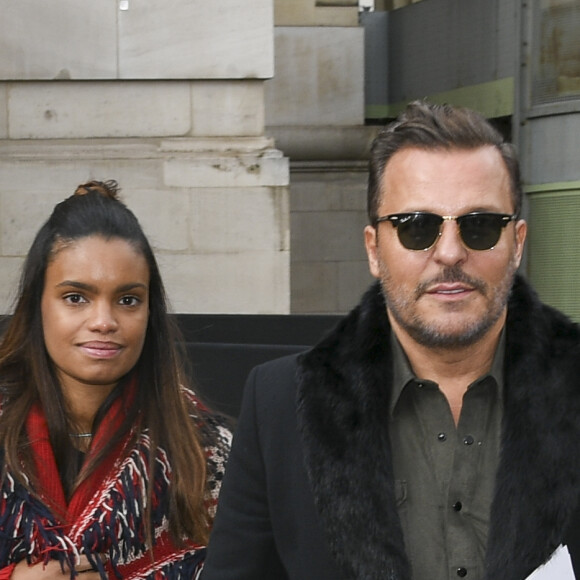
[[110, 519]]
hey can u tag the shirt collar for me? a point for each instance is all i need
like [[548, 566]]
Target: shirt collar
[[403, 374]]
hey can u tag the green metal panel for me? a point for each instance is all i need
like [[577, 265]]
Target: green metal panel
[[554, 244], [492, 99]]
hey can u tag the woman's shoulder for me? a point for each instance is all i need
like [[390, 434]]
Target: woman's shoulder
[[216, 436], [210, 424]]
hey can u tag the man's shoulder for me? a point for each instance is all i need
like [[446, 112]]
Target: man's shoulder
[[274, 380], [281, 364]]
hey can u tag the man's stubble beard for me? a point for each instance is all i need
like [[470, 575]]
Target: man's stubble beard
[[402, 308]]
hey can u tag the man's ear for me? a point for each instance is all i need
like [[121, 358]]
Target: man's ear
[[521, 231], [372, 250]]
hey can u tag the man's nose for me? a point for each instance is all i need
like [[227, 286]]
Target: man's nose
[[449, 248]]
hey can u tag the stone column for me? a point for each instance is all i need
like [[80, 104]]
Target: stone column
[[168, 99], [315, 109]]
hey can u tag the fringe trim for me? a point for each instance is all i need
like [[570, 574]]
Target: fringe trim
[[112, 524]]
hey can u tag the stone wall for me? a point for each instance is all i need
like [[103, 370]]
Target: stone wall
[[315, 111], [169, 100]]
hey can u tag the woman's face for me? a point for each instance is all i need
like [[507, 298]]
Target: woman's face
[[95, 308]]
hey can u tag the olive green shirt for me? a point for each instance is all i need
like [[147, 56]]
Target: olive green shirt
[[444, 475]]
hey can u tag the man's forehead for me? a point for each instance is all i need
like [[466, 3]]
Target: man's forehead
[[451, 177]]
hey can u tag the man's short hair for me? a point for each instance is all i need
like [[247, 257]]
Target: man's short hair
[[428, 126]]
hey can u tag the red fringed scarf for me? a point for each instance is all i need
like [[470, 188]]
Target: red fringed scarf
[[105, 515], [51, 489]]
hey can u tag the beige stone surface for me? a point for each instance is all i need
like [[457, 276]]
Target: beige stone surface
[[69, 110], [327, 235], [307, 13], [267, 168], [225, 222], [329, 270], [319, 78], [203, 40], [314, 287], [173, 39], [353, 280], [244, 283], [38, 176], [21, 215], [225, 248], [164, 215], [3, 111], [60, 39], [103, 109], [9, 274], [227, 108]]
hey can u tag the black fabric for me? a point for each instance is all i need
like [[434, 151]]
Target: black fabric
[[267, 527]]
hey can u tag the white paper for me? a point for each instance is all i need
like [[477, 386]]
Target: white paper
[[558, 567]]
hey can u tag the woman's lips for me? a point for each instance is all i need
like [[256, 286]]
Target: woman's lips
[[98, 349]]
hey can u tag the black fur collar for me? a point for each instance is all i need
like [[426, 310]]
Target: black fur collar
[[343, 394]]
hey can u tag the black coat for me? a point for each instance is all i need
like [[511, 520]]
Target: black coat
[[309, 492]]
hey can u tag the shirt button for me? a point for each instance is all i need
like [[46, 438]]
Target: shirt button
[[469, 440], [461, 572], [442, 437], [457, 506]]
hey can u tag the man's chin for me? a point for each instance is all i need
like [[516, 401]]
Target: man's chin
[[446, 335]]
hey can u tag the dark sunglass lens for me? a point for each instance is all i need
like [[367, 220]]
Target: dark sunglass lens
[[418, 231], [480, 232]]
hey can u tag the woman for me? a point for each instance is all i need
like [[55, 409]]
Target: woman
[[110, 465]]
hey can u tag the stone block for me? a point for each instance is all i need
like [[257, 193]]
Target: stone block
[[328, 191], [164, 216], [265, 169], [353, 280], [10, 275], [307, 196], [229, 244], [61, 39], [309, 13], [348, 144], [3, 110], [230, 221], [314, 287], [53, 165], [319, 77], [175, 39], [227, 108], [21, 216], [180, 39], [327, 236], [354, 192], [94, 109], [244, 283]]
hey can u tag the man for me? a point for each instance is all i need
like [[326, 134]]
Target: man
[[435, 433]]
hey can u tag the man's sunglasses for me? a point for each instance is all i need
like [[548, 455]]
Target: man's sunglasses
[[420, 230]]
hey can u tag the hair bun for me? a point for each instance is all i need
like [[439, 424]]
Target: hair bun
[[108, 188]]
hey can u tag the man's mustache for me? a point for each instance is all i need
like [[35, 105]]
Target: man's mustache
[[451, 275]]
